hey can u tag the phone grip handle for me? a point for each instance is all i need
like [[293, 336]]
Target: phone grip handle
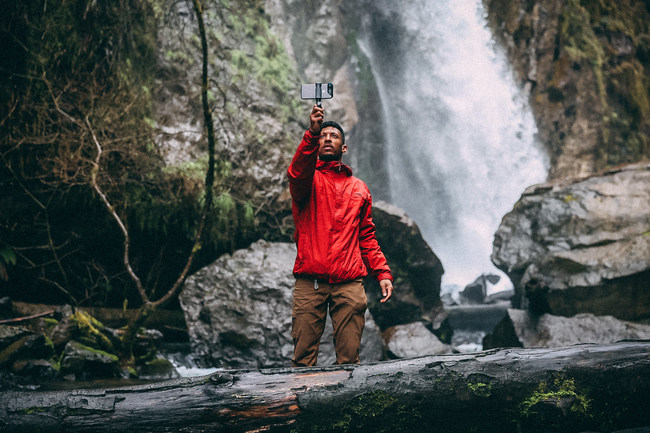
[[319, 93]]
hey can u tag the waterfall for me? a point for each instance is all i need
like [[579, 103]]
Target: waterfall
[[460, 140]]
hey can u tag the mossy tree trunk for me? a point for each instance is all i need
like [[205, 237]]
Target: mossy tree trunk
[[573, 389]]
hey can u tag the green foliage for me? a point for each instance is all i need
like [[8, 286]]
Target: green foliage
[[68, 64]]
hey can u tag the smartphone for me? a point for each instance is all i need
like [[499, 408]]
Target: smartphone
[[317, 91]]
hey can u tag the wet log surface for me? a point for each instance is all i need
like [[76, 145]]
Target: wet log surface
[[577, 388]]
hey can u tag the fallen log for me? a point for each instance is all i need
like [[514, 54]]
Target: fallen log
[[577, 388]]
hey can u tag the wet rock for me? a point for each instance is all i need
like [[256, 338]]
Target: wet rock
[[416, 269], [147, 343], [476, 292], [84, 362], [31, 346], [257, 172], [520, 328], [39, 369], [9, 334], [581, 246], [412, 340], [238, 309], [158, 369], [62, 331]]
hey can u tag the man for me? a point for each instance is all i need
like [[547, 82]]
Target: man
[[336, 245]]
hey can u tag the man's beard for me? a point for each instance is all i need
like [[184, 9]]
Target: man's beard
[[329, 158]]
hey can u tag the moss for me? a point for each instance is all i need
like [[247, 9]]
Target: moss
[[554, 393], [50, 321], [49, 343], [569, 198], [480, 389], [32, 410], [580, 42], [610, 37], [48, 324], [98, 351], [88, 329]]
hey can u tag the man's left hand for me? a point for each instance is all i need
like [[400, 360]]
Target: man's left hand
[[386, 289]]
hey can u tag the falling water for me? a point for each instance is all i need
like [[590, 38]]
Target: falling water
[[460, 139]]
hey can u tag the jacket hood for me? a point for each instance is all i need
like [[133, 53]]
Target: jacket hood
[[335, 166]]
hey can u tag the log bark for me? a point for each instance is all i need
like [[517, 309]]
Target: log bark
[[577, 388]]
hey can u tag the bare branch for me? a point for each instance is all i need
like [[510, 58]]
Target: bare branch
[[33, 316], [113, 212]]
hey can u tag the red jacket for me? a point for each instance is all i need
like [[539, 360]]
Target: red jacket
[[335, 235]]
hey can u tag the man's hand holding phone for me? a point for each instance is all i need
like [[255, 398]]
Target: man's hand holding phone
[[316, 119]]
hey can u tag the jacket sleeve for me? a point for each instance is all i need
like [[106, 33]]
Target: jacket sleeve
[[302, 168], [371, 253]]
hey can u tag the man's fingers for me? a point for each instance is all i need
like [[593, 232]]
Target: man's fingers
[[386, 290]]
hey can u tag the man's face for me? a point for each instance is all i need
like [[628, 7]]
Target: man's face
[[330, 145]]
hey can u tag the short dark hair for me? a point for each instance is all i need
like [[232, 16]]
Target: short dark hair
[[335, 125]]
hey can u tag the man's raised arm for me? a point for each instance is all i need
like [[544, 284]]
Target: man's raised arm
[[303, 164]]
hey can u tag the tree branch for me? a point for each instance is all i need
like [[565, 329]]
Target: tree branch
[[113, 212]]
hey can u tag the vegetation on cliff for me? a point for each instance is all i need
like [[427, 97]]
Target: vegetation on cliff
[[588, 66], [78, 78], [614, 37]]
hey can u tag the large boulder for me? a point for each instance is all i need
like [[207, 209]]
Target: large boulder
[[416, 269], [581, 246], [520, 328], [238, 310]]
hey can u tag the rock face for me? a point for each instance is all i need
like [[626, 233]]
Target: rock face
[[520, 328], [254, 101], [238, 310], [581, 246], [586, 64]]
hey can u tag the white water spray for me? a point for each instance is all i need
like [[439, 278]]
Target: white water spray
[[461, 144]]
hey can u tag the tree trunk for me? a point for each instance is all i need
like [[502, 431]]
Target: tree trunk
[[577, 388]]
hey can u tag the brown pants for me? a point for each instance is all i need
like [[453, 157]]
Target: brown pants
[[347, 304]]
